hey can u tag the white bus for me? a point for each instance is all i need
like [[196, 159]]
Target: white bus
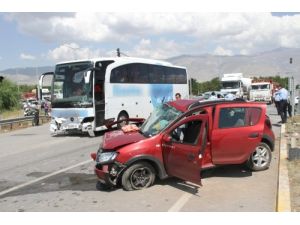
[[97, 92]]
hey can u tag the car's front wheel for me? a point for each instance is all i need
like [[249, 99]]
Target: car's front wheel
[[260, 159], [138, 176]]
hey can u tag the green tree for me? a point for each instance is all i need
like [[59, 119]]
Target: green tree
[[9, 95], [26, 88], [212, 85]]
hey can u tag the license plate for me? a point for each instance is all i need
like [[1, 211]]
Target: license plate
[[70, 126]]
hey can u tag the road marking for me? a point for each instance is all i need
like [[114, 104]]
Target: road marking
[[180, 202], [43, 178], [283, 194]]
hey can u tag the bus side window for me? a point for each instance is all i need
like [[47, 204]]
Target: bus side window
[[138, 73], [119, 75], [124, 76], [156, 74]]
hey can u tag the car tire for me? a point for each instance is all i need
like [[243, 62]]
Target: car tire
[[138, 176], [121, 116], [260, 159]]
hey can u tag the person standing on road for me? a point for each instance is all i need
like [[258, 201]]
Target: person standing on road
[[284, 94], [276, 97], [213, 96]]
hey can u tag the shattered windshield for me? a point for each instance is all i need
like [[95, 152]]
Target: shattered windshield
[[70, 87], [230, 84], [160, 118]]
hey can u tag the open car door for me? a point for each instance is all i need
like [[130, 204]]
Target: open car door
[[183, 147]]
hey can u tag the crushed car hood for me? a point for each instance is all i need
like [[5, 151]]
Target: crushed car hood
[[115, 139]]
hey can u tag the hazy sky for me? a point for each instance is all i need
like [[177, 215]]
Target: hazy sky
[[36, 39]]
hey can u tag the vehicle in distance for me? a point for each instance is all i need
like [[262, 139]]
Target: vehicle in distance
[[218, 94], [180, 138], [237, 84], [261, 90]]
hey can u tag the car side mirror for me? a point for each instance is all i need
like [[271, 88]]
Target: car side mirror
[[167, 138]]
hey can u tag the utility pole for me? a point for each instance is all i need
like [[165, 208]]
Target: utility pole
[[118, 52], [292, 91]]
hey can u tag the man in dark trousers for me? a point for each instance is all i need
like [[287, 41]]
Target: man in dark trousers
[[284, 94]]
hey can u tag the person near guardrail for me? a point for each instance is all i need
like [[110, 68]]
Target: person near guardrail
[[36, 116], [46, 108]]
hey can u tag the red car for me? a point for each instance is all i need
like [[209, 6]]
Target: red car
[[181, 138]]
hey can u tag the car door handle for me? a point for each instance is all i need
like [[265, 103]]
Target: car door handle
[[168, 146], [191, 157], [253, 135]]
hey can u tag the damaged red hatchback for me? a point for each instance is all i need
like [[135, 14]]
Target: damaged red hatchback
[[181, 138]]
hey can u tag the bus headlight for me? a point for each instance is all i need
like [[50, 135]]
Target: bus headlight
[[106, 157]]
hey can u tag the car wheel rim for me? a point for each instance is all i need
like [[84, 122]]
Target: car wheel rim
[[260, 157], [140, 178]]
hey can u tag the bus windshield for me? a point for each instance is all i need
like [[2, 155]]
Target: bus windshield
[[70, 86], [160, 118]]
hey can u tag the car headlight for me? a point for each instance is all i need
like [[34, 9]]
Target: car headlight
[[106, 157]]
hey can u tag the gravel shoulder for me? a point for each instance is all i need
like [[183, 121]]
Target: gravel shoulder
[[293, 140]]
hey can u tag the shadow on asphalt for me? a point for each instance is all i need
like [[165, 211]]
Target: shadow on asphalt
[[230, 171], [78, 182]]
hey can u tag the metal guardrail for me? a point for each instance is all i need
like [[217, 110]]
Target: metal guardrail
[[20, 119], [10, 124]]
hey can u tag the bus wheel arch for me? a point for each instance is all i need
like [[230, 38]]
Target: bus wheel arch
[[122, 115]]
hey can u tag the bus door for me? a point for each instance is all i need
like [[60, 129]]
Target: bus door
[[99, 92]]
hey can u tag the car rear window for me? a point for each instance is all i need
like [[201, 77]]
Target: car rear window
[[239, 117]]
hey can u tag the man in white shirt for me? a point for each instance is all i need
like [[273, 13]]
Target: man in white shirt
[[284, 94], [276, 97]]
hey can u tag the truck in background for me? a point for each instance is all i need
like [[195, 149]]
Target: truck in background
[[236, 84], [262, 90]]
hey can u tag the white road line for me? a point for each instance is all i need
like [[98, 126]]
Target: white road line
[[180, 202], [43, 178]]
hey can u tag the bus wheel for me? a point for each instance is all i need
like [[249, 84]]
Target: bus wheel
[[123, 116]]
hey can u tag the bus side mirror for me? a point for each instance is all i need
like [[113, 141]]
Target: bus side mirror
[[87, 76]]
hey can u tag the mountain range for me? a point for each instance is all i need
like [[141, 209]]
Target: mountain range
[[204, 67]]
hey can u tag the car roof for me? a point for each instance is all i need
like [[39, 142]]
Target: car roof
[[184, 104]]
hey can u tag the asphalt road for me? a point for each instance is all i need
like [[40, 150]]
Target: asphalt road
[[43, 173]]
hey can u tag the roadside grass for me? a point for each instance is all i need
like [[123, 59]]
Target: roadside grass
[[10, 114]]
